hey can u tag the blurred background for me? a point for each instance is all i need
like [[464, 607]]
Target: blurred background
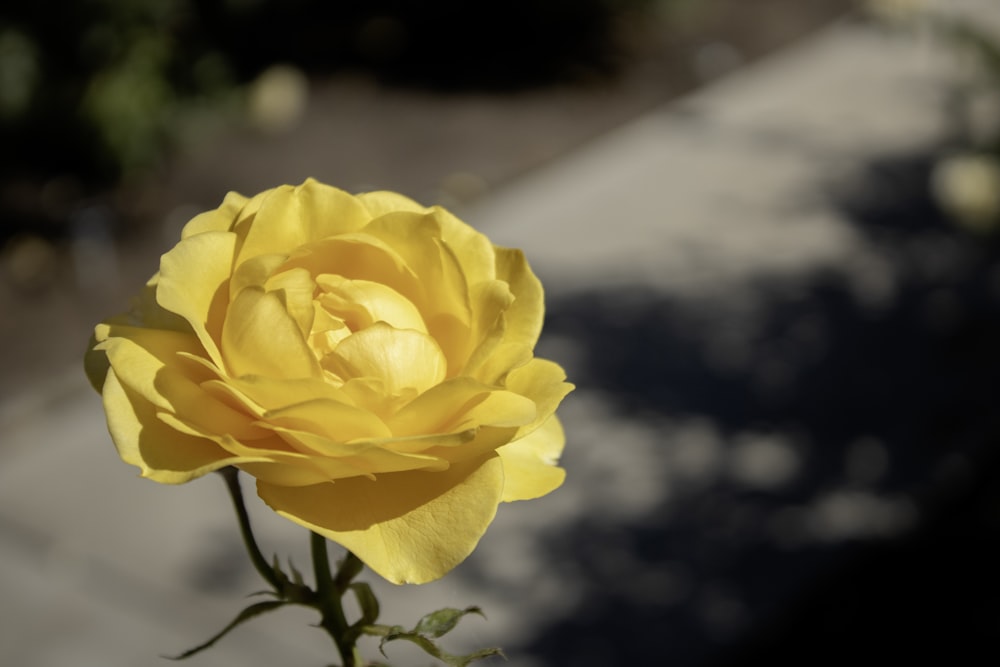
[[127, 117], [768, 229]]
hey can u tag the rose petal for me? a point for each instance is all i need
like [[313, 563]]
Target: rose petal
[[146, 312], [472, 248], [453, 336], [529, 464], [296, 290], [401, 358], [217, 220], [192, 281], [361, 303], [525, 316], [146, 362], [503, 358], [364, 458], [489, 326], [327, 331], [258, 394], [410, 527], [434, 444], [358, 256], [381, 202], [254, 272], [485, 440], [274, 460], [259, 337], [334, 420], [291, 217], [417, 240], [371, 394], [544, 383], [459, 404], [162, 453]]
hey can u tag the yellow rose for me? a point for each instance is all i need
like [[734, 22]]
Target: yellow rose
[[368, 360]]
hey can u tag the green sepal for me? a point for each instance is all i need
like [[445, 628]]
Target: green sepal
[[296, 575], [253, 610]]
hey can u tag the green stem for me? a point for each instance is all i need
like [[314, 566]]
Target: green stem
[[329, 593], [231, 475]]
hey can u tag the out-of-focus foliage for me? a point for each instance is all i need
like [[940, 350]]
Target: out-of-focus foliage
[[92, 87], [93, 91], [90, 92]]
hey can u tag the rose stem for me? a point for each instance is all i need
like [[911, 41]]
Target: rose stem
[[231, 475], [329, 594]]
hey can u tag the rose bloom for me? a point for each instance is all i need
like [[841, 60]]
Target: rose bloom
[[368, 360]]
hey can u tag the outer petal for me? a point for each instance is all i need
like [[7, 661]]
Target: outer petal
[[474, 251], [161, 452], [147, 362], [503, 358], [291, 217], [217, 220], [542, 381], [145, 311], [382, 201], [525, 315], [193, 276], [410, 527], [529, 464]]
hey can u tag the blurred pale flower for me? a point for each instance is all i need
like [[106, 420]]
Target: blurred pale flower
[[368, 360], [277, 99], [967, 187]]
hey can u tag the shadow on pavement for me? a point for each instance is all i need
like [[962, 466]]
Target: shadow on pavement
[[849, 503]]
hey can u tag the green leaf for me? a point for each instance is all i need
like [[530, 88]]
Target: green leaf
[[432, 649], [427, 645], [434, 625], [253, 610], [463, 660], [367, 601], [441, 622]]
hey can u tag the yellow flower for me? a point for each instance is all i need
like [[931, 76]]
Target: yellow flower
[[368, 360]]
